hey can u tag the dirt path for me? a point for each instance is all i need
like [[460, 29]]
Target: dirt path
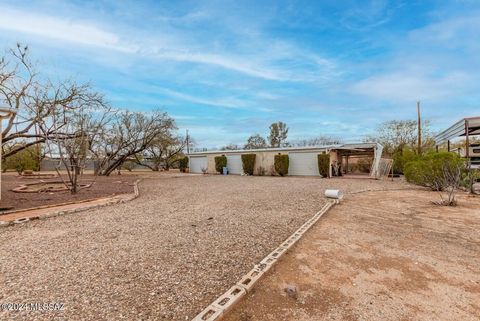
[[378, 256]]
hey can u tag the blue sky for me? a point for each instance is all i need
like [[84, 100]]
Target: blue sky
[[227, 69]]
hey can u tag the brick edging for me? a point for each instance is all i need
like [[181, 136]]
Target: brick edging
[[220, 306], [113, 200]]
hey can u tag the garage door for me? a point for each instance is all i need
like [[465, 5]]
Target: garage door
[[305, 164], [234, 164], [197, 163]]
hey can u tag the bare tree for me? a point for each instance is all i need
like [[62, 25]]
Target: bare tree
[[129, 134], [278, 134], [36, 100], [74, 125], [231, 147], [163, 152], [395, 135], [255, 142], [451, 181]]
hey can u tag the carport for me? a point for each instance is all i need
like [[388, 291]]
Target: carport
[[348, 151], [465, 128]]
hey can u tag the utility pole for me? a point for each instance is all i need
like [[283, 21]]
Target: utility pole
[[419, 129], [188, 144]]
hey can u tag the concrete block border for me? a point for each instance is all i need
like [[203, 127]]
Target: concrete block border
[[217, 309], [112, 201]]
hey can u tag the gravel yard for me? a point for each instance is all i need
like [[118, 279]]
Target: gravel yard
[[163, 256]]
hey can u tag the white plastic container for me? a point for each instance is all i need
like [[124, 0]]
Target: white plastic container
[[334, 193]]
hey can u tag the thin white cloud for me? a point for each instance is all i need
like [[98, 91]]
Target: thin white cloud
[[235, 64], [426, 68], [264, 63], [453, 29], [84, 33], [229, 102]]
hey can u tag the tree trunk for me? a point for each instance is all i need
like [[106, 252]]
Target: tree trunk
[[107, 171]]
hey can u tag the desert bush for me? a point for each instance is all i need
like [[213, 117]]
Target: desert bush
[[324, 164], [364, 165], [401, 158], [26, 159], [248, 163], [470, 177], [220, 163], [183, 164], [281, 164], [440, 172], [352, 168]]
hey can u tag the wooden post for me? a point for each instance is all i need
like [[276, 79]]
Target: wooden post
[[448, 145], [346, 165], [419, 129]]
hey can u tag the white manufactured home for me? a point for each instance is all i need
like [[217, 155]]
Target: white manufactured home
[[303, 161]]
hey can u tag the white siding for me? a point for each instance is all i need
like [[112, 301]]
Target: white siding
[[234, 164], [304, 164], [197, 163]]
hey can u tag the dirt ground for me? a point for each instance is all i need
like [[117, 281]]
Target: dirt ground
[[163, 256], [378, 256], [103, 186]]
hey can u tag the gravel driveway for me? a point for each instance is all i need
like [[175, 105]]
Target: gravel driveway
[[163, 256]]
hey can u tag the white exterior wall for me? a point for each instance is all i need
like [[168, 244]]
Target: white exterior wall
[[303, 164], [197, 163], [303, 161], [234, 164]]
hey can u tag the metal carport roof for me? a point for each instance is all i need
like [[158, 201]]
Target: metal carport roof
[[469, 125]]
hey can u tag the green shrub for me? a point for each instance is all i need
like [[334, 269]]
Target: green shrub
[[24, 160], [437, 171], [281, 164], [324, 164], [220, 163], [470, 177], [401, 158], [248, 163], [183, 163]]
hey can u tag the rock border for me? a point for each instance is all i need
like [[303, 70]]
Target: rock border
[[113, 200], [225, 302]]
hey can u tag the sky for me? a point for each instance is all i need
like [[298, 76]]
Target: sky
[[227, 69]]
